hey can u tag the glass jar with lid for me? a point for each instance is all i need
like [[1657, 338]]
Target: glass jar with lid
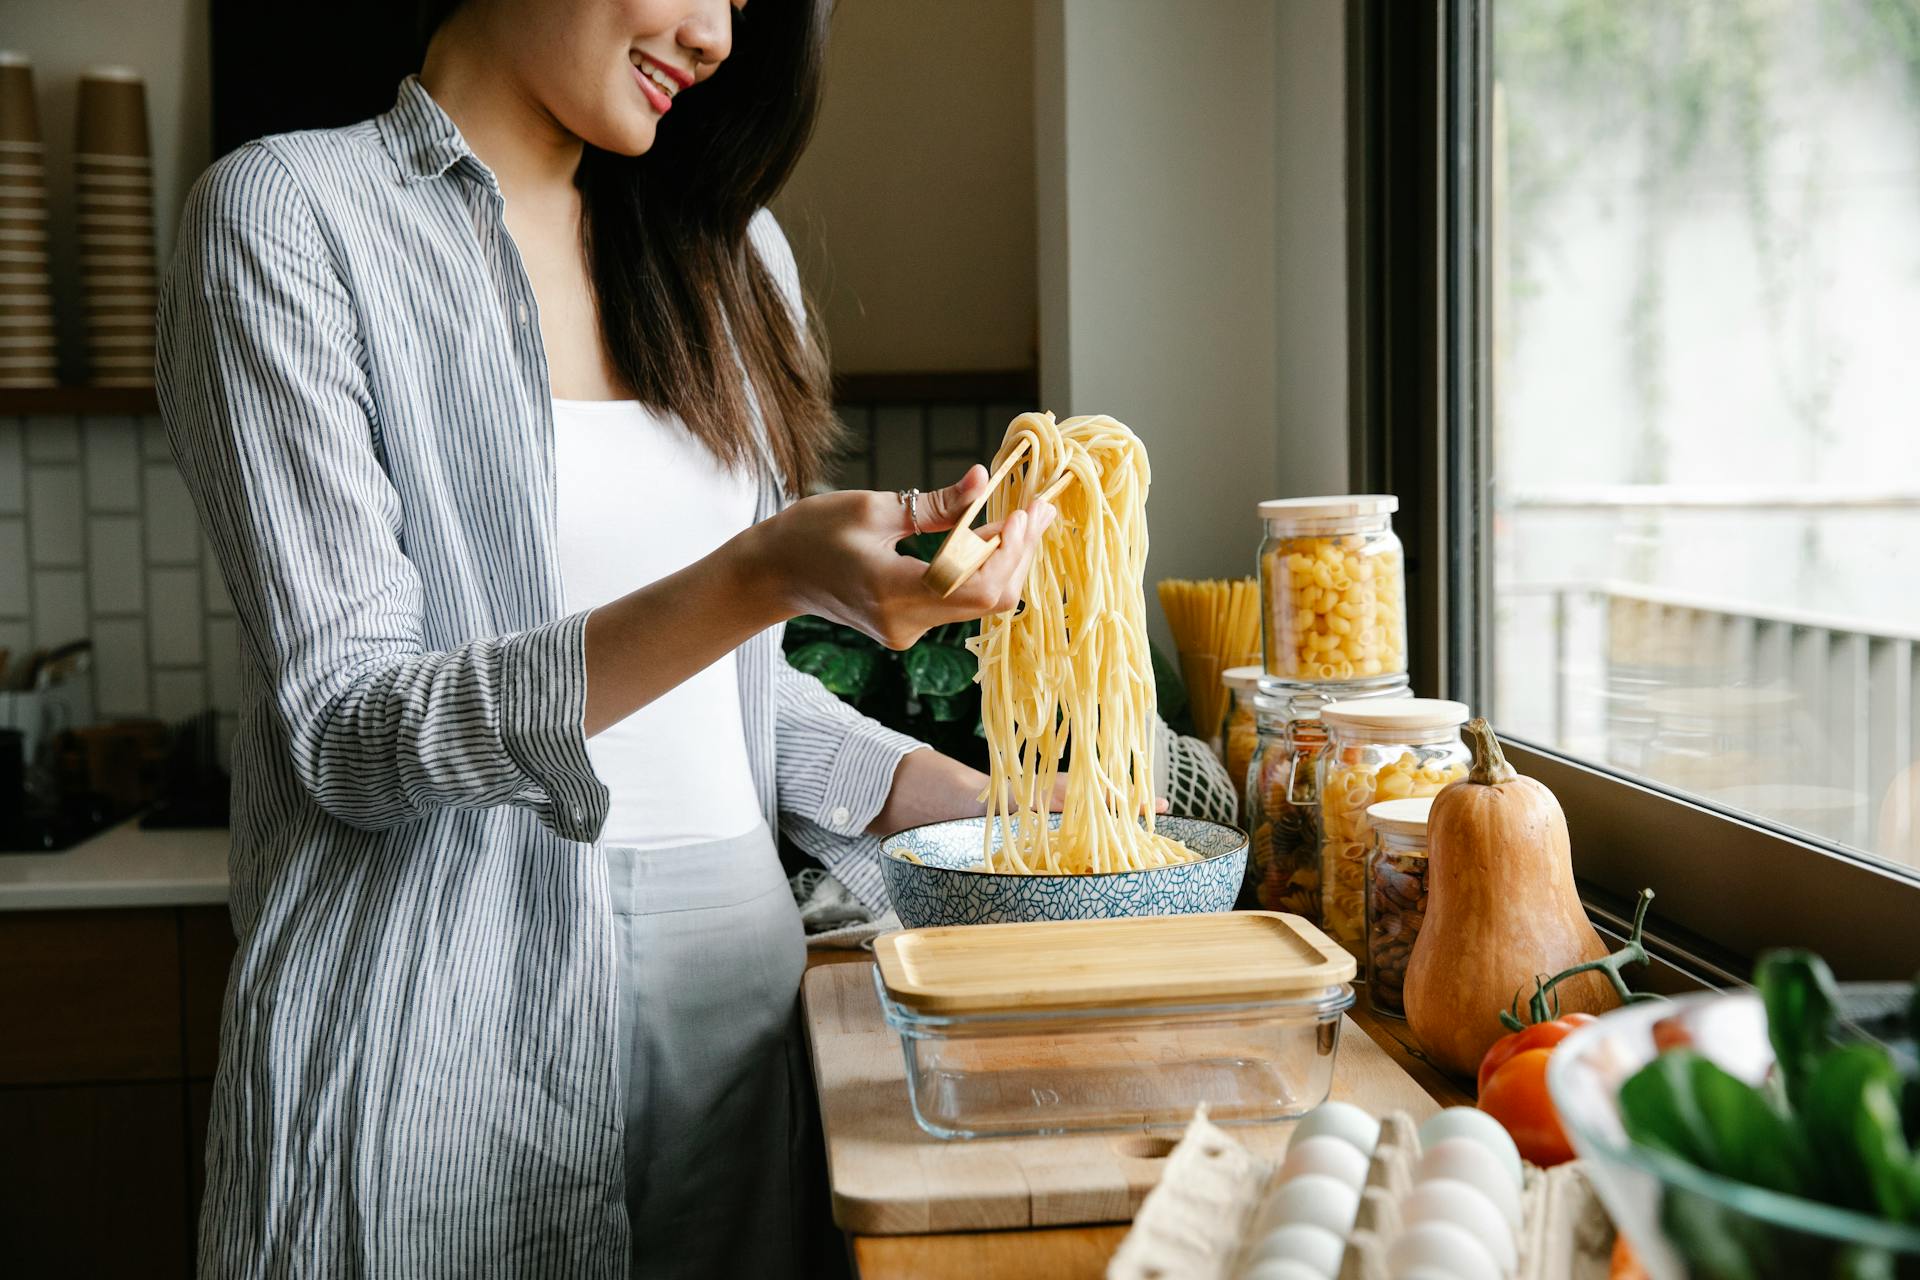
[[1375, 751], [1281, 805], [1396, 898], [1241, 734], [1333, 589]]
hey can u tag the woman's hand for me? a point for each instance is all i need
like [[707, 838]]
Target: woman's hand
[[834, 555]]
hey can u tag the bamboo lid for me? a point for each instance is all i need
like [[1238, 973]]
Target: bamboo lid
[[1229, 957]]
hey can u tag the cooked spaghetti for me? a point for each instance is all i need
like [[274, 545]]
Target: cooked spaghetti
[[1071, 668]]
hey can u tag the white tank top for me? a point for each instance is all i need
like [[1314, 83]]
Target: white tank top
[[639, 499]]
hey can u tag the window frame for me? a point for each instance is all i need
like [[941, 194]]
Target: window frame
[[1419, 201]]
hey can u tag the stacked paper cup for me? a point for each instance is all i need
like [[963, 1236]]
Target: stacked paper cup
[[114, 168], [28, 351]]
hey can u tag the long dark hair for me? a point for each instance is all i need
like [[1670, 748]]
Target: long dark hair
[[684, 301]]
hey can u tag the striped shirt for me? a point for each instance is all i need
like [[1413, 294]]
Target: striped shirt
[[417, 1064]]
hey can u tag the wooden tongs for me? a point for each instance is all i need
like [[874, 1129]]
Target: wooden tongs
[[964, 551]]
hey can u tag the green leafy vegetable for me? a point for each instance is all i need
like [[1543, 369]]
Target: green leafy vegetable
[[1684, 1104], [1851, 1109], [1797, 989]]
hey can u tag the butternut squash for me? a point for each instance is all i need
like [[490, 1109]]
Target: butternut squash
[[1501, 911]]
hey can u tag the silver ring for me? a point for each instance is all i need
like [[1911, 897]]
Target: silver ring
[[911, 498]]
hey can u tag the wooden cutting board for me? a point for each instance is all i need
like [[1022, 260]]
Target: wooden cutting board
[[890, 1177]]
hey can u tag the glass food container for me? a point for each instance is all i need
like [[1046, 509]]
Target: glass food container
[[1241, 734], [1088, 1025], [1375, 751], [1396, 898], [1281, 804], [1332, 589]]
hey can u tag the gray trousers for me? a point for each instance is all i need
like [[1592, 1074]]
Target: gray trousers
[[710, 951]]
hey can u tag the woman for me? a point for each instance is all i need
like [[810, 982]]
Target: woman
[[495, 409]]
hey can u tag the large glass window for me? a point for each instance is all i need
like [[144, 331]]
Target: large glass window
[[1706, 401]]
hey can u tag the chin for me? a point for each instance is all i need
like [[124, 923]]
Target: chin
[[628, 136]]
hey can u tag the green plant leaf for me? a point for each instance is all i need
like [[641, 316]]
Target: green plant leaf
[[939, 670], [1797, 989], [846, 671], [921, 546], [948, 709]]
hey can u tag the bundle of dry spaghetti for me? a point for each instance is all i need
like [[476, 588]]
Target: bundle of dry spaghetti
[[1216, 625], [1072, 667]]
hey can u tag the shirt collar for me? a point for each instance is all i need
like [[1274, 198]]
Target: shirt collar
[[423, 139]]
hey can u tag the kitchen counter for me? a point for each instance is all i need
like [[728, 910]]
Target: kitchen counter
[[124, 866]]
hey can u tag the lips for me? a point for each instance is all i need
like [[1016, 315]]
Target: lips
[[659, 81]]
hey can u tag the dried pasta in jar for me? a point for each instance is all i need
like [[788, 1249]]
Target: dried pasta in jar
[[1376, 752], [1333, 589]]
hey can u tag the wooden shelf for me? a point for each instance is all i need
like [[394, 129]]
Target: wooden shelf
[[54, 401]]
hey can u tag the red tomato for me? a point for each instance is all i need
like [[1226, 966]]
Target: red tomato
[[1672, 1032], [1541, 1035], [1516, 1096]]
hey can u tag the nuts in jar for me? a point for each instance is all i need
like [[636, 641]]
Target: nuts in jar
[[1396, 891]]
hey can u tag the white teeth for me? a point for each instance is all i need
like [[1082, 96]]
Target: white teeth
[[659, 79]]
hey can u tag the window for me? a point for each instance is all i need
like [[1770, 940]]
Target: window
[[1647, 371], [1705, 296]]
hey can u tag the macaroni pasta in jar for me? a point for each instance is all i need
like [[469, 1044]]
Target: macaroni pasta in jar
[[1332, 589], [1375, 751], [1282, 795]]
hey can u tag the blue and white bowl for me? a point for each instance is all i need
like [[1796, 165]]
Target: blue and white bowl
[[942, 888]]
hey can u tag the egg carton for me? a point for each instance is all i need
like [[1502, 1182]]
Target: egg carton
[[1213, 1206]]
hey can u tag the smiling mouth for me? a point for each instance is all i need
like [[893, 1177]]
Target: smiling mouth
[[657, 78]]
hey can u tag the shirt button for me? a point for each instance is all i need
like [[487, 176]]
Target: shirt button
[[521, 311], [841, 816]]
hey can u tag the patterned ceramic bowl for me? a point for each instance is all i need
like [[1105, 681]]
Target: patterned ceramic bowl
[[942, 888]]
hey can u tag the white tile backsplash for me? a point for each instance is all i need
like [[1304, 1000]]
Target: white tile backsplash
[[174, 616], [59, 606], [13, 468], [223, 664], [173, 531], [179, 694], [153, 441], [14, 600], [113, 464], [114, 581], [55, 516], [120, 674], [53, 439]]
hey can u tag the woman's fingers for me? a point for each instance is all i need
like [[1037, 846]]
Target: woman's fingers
[[999, 582], [943, 508]]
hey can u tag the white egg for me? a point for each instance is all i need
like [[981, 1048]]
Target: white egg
[[1442, 1247], [1326, 1154], [1464, 1160], [1467, 1122], [1284, 1269], [1314, 1247], [1315, 1199], [1449, 1200], [1342, 1120]]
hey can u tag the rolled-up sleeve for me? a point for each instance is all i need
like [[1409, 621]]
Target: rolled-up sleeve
[[836, 769], [267, 403]]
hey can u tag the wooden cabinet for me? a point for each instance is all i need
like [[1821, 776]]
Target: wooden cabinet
[[111, 1025]]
